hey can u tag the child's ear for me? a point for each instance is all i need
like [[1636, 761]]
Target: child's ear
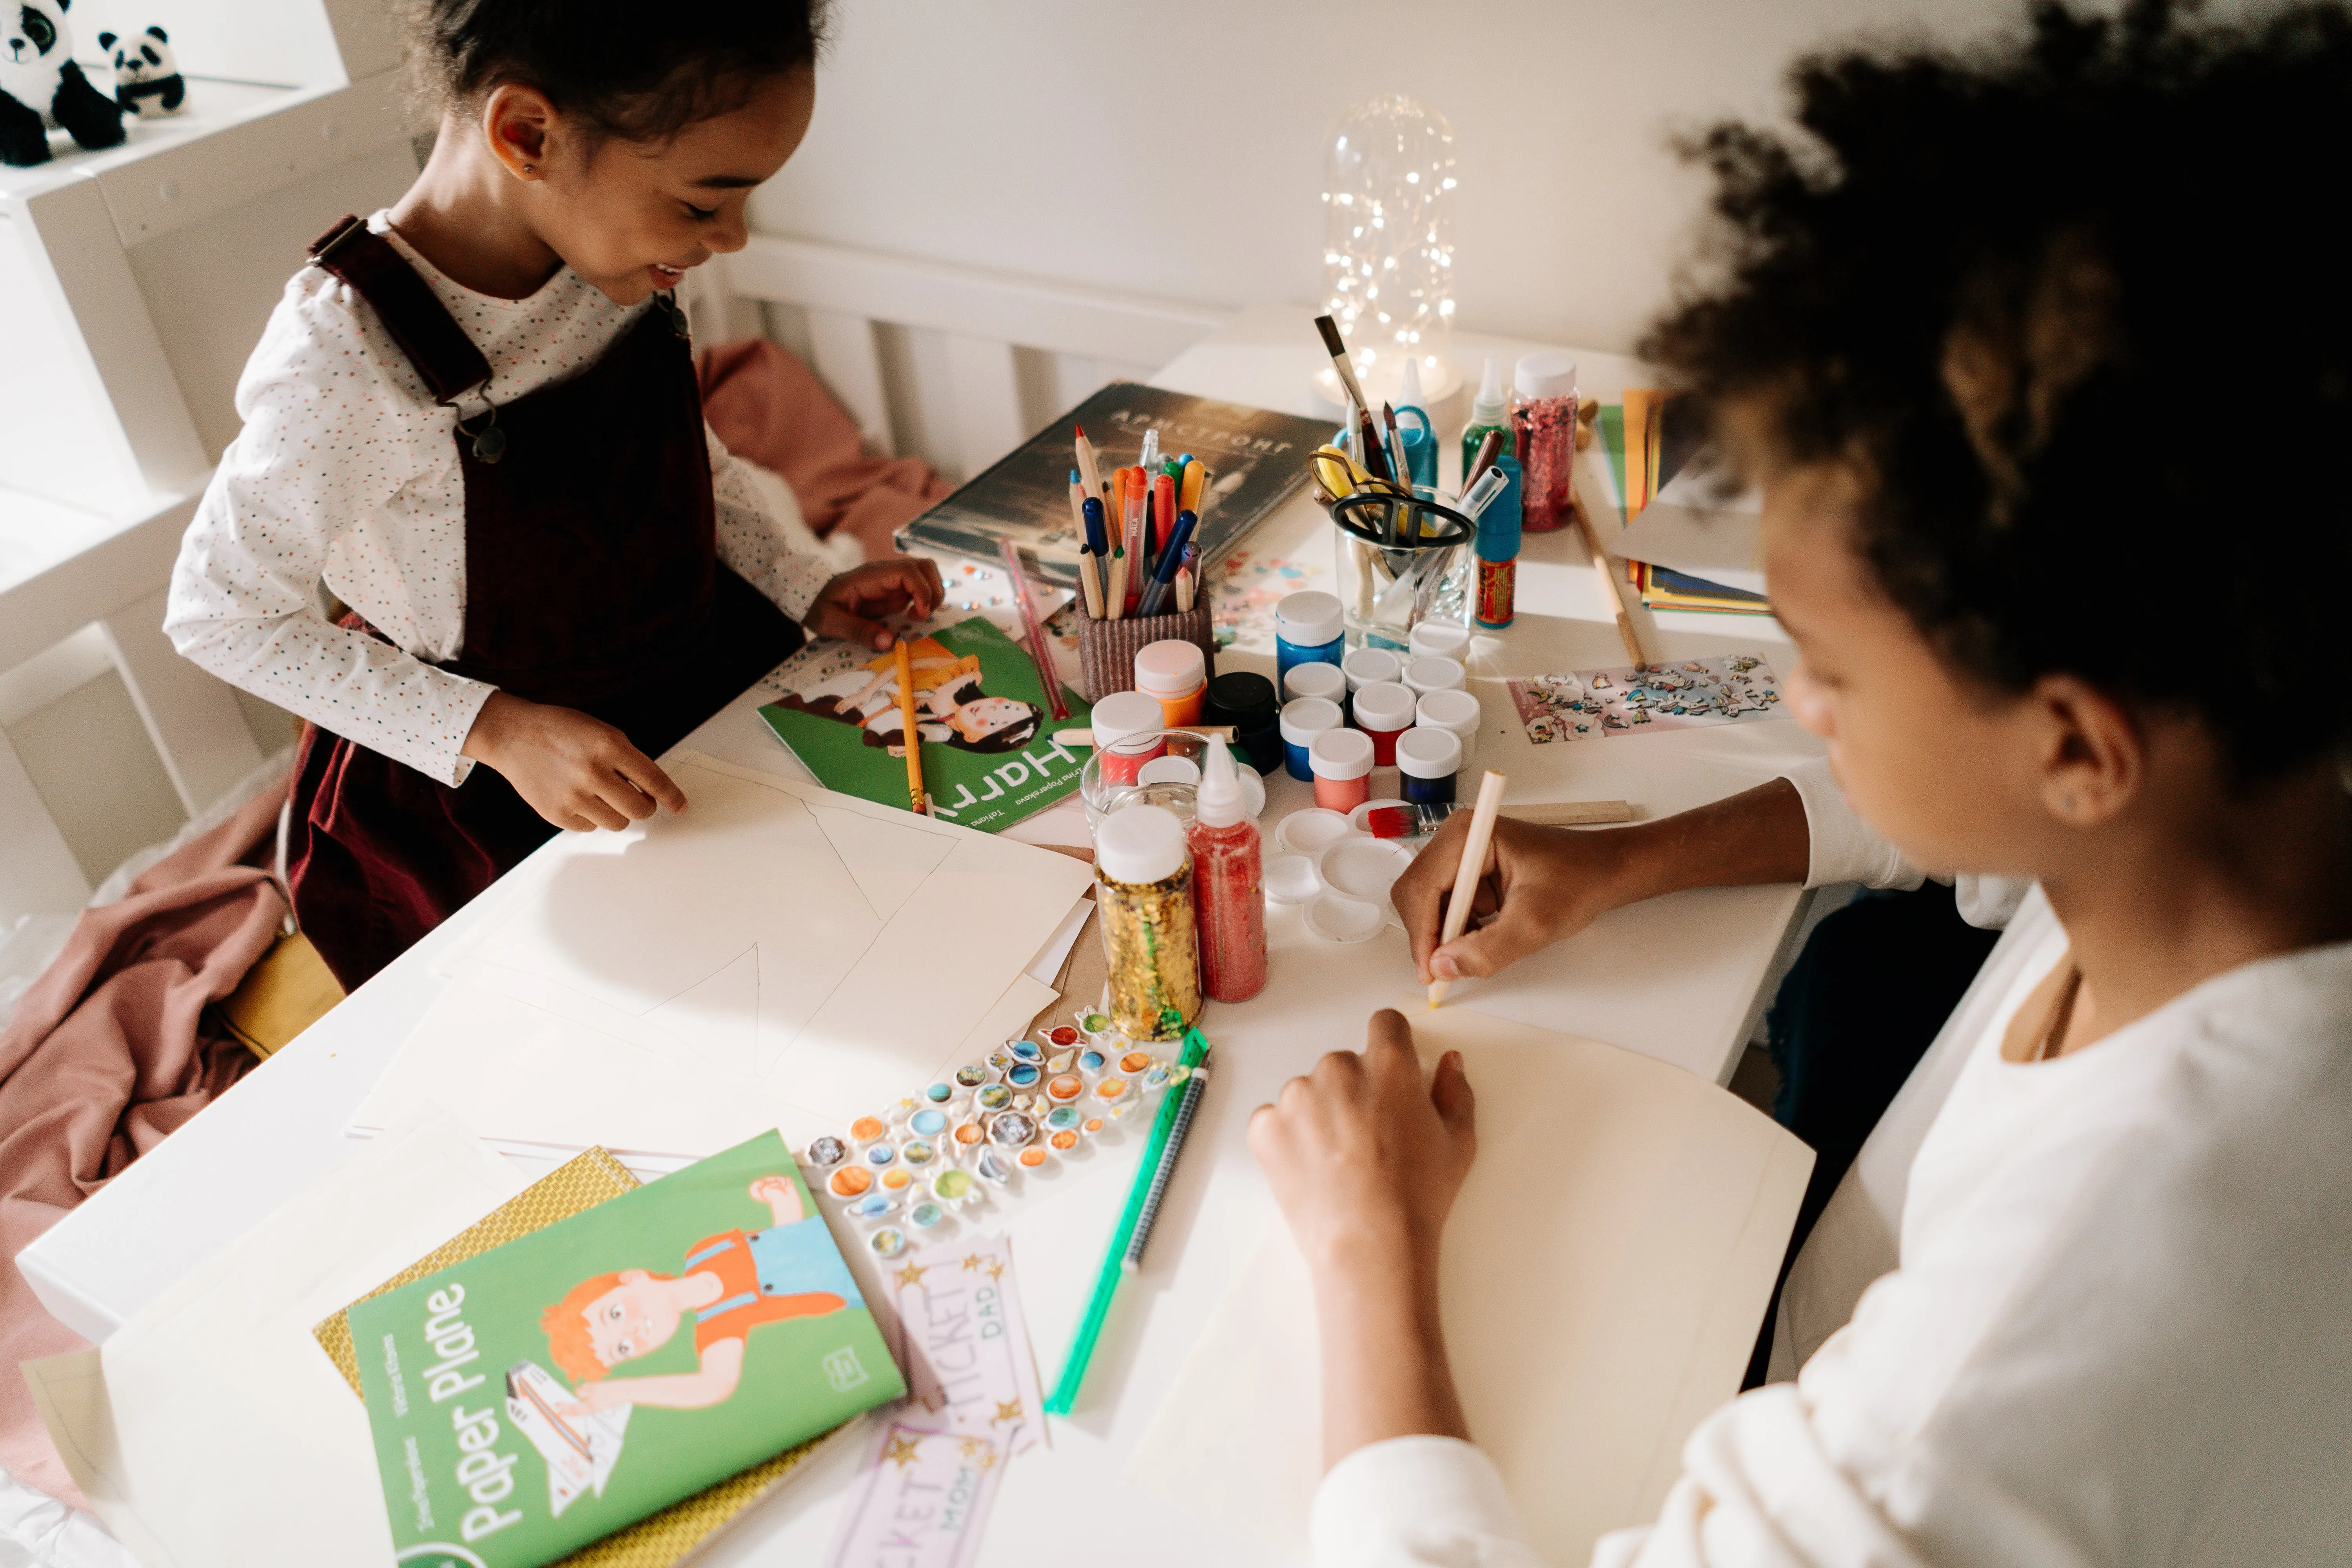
[[633, 1276]]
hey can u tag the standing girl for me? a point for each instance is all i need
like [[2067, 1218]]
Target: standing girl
[[473, 417]]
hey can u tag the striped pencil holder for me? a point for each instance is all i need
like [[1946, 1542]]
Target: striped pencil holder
[[1107, 649]]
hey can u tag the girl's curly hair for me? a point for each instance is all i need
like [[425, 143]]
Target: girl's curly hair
[[2075, 309]]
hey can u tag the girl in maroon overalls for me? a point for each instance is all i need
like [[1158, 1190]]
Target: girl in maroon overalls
[[473, 417]]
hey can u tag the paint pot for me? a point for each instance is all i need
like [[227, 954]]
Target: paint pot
[[1342, 764], [827, 1151], [1457, 712], [848, 1182], [1064, 1141], [1291, 879], [1116, 718], [873, 1206], [1062, 1116], [971, 1077], [994, 1096], [1435, 674], [918, 1152], [1090, 1062], [1440, 640], [952, 1185], [989, 1168], [1028, 1050], [1069, 1085], [1111, 1088], [1033, 1157], [1176, 674], [880, 1155], [866, 1129], [1337, 919], [1309, 625], [923, 1216], [1024, 1076], [1383, 711], [1315, 679], [928, 1123], [1369, 667], [1427, 759], [1363, 868], [1011, 1130], [1302, 721], [1309, 831], [1062, 1037], [887, 1243]]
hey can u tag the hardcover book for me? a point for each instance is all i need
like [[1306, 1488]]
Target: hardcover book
[[1255, 459], [541, 1395], [990, 756]]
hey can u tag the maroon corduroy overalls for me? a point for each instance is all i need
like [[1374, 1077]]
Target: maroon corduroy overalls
[[591, 581]]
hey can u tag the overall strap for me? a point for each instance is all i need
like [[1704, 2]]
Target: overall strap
[[431, 338]]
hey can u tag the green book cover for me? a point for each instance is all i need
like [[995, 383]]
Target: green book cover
[[535, 1398], [989, 753]]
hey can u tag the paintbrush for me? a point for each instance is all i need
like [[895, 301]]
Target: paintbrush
[[1411, 821], [1338, 347]]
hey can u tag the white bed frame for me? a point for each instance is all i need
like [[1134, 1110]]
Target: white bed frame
[[950, 364]]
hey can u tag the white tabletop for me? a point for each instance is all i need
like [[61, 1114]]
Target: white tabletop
[[1678, 978]]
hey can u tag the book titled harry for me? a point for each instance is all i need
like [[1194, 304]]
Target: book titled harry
[[540, 1395], [1255, 459]]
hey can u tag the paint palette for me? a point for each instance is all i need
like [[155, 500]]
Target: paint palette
[[1030, 1103]]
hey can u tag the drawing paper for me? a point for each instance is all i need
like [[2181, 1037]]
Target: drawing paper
[[1603, 1273]]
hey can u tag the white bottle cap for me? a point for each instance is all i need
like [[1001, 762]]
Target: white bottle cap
[[1139, 844], [1367, 665], [1384, 706], [1548, 374], [1435, 674], [1409, 389], [1125, 713], [1451, 710], [1429, 753], [1306, 718], [1314, 678], [1442, 638], [1487, 407], [1308, 619], [1169, 770], [1339, 754], [1218, 802], [1170, 669]]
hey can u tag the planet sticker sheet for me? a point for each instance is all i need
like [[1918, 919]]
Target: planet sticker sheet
[[1645, 699]]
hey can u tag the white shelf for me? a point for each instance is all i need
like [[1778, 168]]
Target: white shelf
[[212, 106]]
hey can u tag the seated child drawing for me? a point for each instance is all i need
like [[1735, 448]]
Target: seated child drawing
[[731, 1283], [954, 710]]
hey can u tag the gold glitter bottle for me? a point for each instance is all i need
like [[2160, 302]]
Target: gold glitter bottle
[[1143, 891]]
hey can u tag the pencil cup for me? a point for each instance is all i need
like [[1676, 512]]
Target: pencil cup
[[1107, 649], [1398, 564]]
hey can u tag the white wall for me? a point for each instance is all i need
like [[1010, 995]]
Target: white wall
[[1175, 148]]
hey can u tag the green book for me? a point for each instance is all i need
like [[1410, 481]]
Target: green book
[[542, 1395], [989, 753]]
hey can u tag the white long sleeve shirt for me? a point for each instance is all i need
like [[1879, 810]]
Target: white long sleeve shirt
[[347, 473], [2118, 1328]]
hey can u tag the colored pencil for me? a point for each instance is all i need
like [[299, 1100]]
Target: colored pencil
[[1131, 1261], [1082, 1346], [1089, 471], [1473, 867], [912, 734], [1196, 479]]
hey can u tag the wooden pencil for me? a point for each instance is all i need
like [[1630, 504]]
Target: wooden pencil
[[911, 734], [1473, 867]]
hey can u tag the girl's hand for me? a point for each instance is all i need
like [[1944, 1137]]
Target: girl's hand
[[577, 771], [1539, 884], [1365, 1161], [851, 606]]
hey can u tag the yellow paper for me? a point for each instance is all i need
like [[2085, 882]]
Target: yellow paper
[[1603, 1275]]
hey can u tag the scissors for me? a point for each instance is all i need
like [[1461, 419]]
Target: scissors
[[1342, 476]]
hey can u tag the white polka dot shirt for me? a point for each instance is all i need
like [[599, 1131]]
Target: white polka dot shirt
[[346, 473]]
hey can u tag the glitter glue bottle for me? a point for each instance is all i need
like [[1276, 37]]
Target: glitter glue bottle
[[1495, 602], [1543, 437], [1228, 885], [1143, 896], [1488, 411]]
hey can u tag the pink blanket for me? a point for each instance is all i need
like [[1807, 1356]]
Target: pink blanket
[[769, 407], [110, 1051]]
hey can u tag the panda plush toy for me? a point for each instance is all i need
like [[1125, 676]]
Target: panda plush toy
[[147, 81], [41, 85]]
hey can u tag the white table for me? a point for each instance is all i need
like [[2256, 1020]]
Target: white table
[[1679, 978]]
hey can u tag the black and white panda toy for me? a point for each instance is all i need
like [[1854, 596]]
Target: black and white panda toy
[[41, 85], [147, 81]]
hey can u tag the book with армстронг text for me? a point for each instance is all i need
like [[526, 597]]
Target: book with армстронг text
[[544, 1393]]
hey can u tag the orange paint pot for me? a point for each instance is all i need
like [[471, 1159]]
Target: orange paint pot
[[1065, 1139], [1067, 1086], [1033, 1156], [866, 1129], [1134, 1062], [849, 1180]]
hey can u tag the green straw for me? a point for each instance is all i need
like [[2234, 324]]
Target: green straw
[[1082, 1348]]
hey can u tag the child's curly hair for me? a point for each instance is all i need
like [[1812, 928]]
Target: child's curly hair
[[2074, 308]]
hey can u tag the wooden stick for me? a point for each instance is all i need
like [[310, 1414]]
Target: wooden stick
[[1569, 812], [1473, 867], [912, 736], [1075, 737], [1614, 582]]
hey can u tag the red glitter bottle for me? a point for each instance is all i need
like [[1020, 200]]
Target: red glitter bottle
[[1543, 430], [1228, 885]]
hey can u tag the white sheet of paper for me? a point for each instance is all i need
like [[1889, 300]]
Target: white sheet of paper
[[1691, 528], [211, 1428], [1603, 1274]]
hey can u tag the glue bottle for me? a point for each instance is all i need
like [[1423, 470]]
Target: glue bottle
[[1143, 896], [1415, 430], [1488, 411], [1228, 885]]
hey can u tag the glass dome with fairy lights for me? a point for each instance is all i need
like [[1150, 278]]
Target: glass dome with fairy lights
[[1388, 237]]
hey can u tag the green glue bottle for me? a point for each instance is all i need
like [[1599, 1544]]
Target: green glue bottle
[[1488, 411]]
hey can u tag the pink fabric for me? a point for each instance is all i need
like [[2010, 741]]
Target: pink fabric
[[109, 1052], [769, 407]]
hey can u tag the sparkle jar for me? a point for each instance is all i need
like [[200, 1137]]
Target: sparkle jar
[[1143, 893], [1543, 438]]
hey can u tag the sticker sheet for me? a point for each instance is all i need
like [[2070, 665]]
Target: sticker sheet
[[921, 1502], [966, 1351], [1636, 699]]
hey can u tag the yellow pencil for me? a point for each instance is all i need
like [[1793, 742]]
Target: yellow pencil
[[912, 737], [1473, 867]]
